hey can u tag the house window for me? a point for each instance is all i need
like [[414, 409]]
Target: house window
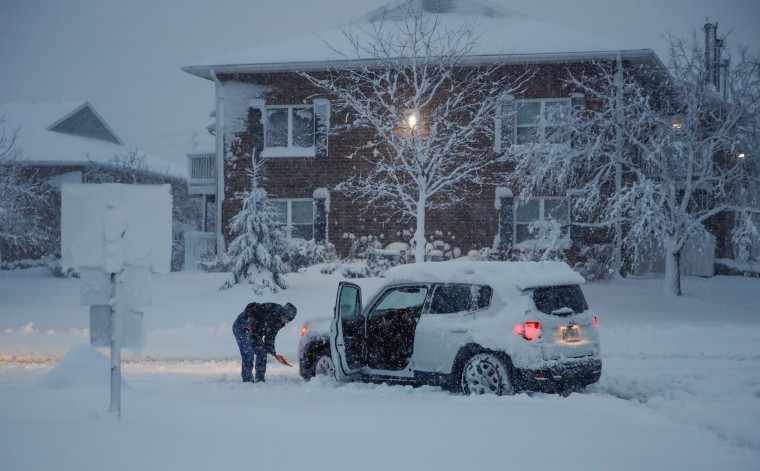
[[296, 216], [289, 129], [539, 210], [536, 120]]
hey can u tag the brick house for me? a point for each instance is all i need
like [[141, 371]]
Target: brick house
[[263, 105]]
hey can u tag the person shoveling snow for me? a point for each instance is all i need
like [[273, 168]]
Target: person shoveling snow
[[255, 330]]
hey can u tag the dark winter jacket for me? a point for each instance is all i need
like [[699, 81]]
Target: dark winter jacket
[[264, 321]]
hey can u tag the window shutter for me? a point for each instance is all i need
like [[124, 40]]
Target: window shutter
[[505, 123], [321, 126], [256, 117], [505, 203], [321, 210]]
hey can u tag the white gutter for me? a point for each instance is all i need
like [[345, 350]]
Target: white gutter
[[205, 71], [219, 135]]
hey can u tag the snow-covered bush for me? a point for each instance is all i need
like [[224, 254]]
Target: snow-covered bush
[[304, 253], [210, 262], [56, 268], [596, 261], [550, 242]]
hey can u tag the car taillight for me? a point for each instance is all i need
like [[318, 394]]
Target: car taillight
[[596, 322], [304, 329], [529, 331]]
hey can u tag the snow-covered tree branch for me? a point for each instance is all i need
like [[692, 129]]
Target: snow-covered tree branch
[[662, 158], [23, 201], [428, 114]]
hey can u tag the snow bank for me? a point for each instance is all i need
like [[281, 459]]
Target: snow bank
[[84, 365]]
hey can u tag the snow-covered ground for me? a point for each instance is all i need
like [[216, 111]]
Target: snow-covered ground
[[680, 389]]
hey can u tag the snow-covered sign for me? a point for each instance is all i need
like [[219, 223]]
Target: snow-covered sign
[[146, 209], [116, 235]]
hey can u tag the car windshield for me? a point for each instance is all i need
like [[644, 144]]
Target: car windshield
[[560, 300]]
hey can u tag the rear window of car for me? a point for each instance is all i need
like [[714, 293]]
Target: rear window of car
[[560, 300], [451, 298]]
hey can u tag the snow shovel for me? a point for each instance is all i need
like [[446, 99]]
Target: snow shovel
[[282, 360]]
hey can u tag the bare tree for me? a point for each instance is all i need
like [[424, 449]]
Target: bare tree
[[681, 154], [428, 113]]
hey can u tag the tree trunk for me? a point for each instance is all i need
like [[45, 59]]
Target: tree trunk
[[672, 268], [419, 233]]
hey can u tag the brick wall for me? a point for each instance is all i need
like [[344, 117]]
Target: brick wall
[[471, 224]]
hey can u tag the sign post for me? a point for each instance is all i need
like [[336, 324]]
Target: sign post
[[116, 235]]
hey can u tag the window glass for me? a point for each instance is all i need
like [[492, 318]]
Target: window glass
[[277, 127], [522, 233], [528, 112], [302, 231], [556, 110], [303, 127], [560, 300], [349, 305], [402, 298], [556, 209], [526, 134], [481, 297], [303, 212], [448, 299], [528, 211]]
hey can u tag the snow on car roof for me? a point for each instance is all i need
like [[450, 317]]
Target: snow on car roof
[[522, 275]]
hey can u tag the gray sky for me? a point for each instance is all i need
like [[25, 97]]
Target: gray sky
[[125, 57]]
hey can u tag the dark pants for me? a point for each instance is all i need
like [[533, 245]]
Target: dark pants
[[250, 350]]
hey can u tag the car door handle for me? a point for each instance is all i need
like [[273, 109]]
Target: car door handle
[[459, 331]]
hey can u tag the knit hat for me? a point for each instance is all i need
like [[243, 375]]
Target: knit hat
[[289, 311]]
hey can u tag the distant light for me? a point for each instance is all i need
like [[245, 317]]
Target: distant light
[[742, 155], [677, 125], [412, 120]]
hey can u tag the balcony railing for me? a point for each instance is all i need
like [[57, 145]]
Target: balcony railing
[[201, 174]]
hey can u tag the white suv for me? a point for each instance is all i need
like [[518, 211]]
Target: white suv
[[474, 327]]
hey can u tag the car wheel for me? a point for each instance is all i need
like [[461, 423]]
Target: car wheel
[[324, 366], [485, 373]]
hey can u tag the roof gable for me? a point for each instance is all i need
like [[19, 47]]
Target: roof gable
[[84, 121], [70, 134]]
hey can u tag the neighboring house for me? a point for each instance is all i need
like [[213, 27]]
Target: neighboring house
[[265, 109], [71, 143]]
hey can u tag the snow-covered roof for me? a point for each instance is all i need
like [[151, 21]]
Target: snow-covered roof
[[504, 36], [522, 275], [70, 133]]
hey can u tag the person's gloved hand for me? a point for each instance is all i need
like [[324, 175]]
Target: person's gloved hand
[[282, 360]]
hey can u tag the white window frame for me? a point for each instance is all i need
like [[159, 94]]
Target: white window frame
[[289, 214], [541, 124], [541, 214], [290, 150]]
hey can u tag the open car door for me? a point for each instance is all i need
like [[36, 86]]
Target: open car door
[[347, 332]]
